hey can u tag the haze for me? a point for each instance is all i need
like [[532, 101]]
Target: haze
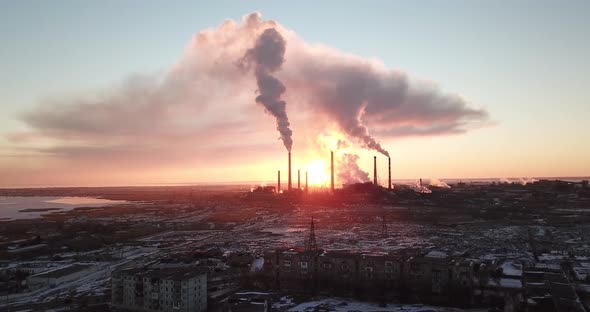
[[116, 93]]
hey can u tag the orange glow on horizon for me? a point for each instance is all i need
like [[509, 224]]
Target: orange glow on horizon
[[317, 172]]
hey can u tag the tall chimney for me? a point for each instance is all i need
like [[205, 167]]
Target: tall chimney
[[279, 182], [389, 159], [375, 170], [305, 181], [298, 179], [289, 186], [332, 171]]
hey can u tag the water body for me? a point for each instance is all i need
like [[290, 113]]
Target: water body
[[31, 207]]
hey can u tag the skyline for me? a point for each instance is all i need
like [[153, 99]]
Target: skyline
[[514, 94]]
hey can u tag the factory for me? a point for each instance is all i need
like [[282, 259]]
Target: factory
[[305, 189]]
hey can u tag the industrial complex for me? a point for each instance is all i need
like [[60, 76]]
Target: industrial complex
[[492, 245]]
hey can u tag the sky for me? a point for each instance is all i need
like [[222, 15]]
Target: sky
[[128, 92]]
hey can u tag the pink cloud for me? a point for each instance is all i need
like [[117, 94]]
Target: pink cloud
[[203, 108]]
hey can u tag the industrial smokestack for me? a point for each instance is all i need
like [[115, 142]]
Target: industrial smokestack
[[332, 171], [375, 170], [306, 182], [289, 185], [279, 182], [298, 179], [389, 159]]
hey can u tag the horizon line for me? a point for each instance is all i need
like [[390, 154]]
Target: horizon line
[[240, 183]]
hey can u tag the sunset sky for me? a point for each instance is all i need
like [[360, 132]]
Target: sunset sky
[[136, 92]]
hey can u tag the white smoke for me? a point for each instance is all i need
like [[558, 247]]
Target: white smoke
[[521, 181], [424, 186], [200, 106], [437, 183]]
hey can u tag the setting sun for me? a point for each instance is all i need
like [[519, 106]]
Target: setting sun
[[318, 174]]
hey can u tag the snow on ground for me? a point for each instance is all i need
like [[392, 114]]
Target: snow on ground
[[581, 273], [347, 305], [550, 257], [283, 303], [252, 293], [585, 288], [505, 232], [505, 283], [512, 268], [95, 283], [257, 264], [510, 283]]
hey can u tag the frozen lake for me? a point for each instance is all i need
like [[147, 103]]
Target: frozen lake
[[11, 207]]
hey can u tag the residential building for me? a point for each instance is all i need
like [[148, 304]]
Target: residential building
[[178, 290]]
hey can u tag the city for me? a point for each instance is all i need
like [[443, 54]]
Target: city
[[317, 156], [469, 245]]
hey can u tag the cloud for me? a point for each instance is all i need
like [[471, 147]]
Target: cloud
[[205, 104], [355, 93]]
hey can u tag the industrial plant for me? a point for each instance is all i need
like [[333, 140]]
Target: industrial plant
[[175, 232], [477, 245], [424, 246], [332, 189]]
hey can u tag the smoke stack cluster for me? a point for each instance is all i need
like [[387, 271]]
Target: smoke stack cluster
[[375, 170]]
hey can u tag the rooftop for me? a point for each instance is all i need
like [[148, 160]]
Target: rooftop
[[63, 271], [177, 274]]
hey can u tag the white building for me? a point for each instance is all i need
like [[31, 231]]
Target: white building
[[178, 290]]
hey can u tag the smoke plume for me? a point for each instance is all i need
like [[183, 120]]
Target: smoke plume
[[269, 55], [348, 170], [346, 161], [521, 181], [437, 183], [135, 124], [353, 93]]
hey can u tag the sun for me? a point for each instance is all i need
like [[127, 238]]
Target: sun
[[317, 171]]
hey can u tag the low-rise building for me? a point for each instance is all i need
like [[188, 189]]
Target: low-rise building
[[434, 277], [337, 269], [546, 288], [429, 274], [60, 275]]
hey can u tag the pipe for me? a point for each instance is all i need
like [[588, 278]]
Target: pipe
[[289, 186], [332, 171], [375, 170], [389, 159], [279, 182], [298, 179], [306, 182]]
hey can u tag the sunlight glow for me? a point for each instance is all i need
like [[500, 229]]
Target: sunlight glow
[[318, 172]]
